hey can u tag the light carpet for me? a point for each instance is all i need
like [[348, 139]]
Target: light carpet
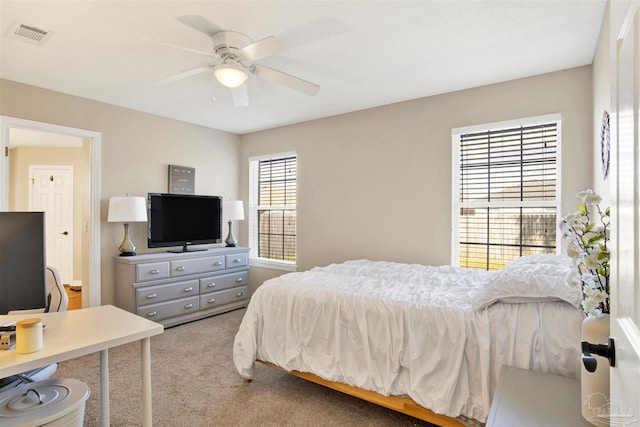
[[196, 384]]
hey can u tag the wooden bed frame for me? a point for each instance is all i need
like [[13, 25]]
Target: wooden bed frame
[[400, 404]]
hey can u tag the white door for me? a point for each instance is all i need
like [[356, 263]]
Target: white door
[[52, 192], [625, 274]]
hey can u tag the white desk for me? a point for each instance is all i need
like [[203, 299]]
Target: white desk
[[76, 333]]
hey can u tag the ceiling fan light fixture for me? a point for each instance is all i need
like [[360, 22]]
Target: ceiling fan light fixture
[[230, 75]]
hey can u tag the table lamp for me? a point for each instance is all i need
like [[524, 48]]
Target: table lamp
[[127, 210], [232, 210]]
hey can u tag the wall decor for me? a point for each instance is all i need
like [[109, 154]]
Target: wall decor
[[182, 180], [604, 145]]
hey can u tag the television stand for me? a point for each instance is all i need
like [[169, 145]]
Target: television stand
[[174, 288]]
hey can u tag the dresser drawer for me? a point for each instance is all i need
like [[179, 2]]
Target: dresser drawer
[[197, 265], [152, 271], [225, 281], [154, 294], [167, 309], [215, 299], [236, 260]]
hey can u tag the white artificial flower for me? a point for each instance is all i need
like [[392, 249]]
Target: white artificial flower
[[589, 252], [588, 197], [588, 291], [598, 296], [579, 228], [573, 279], [591, 260], [573, 249], [589, 306], [570, 218], [589, 285]]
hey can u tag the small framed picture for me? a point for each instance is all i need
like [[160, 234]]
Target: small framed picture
[[182, 180]]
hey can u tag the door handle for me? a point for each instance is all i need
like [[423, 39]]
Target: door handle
[[64, 233], [605, 350]]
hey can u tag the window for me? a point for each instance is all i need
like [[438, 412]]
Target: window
[[505, 191], [272, 208]]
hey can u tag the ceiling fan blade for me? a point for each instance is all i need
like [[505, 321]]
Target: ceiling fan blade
[[262, 48], [200, 23], [288, 80], [176, 46], [240, 96], [185, 74]]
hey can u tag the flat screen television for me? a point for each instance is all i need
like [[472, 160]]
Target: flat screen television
[[183, 220], [22, 261]]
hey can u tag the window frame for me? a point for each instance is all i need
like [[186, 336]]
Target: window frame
[[456, 204], [254, 207]]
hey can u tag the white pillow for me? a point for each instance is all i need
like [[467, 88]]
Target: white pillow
[[546, 259], [529, 283]]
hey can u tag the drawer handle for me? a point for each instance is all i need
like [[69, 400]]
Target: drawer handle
[[237, 260], [239, 279], [211, 300], [156, 271], [188, 306], [189, 289], [152, 313], [239, 294], [211, 285], [217, 263], [150, 296], [181, 268]]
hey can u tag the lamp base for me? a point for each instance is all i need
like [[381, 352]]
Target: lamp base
[[127, 248], [231, 240]]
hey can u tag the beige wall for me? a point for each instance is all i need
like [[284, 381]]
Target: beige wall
[[136, 151], [377, 183], [601, 102], [373, 184], [20, 158]]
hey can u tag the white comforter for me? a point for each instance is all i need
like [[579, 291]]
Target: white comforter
[[405, 330]]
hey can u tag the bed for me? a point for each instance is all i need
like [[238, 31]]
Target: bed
[[425, 340]]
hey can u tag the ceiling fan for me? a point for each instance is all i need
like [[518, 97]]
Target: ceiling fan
[[233, 56]]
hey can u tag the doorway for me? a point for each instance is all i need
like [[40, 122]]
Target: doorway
[[51, 190], [90, 227]]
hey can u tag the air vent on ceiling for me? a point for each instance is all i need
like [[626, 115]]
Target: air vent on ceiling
[[28, 34]]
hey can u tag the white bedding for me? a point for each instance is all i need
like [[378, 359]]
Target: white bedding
[[406, 330]]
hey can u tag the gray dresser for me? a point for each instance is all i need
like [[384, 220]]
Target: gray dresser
[[173, 288]]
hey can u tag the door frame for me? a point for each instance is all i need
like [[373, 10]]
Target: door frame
[[91, 295]]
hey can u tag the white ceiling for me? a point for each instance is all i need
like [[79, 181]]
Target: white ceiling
[[361, 53]]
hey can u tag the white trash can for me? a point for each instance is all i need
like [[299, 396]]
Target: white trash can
[[51, 403]]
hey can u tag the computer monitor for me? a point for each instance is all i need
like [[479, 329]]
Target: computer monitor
[[22, 261]]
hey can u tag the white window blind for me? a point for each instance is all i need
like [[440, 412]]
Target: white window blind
[[506, 195], [272, 205]]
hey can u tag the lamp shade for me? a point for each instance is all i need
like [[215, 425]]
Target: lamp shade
[[230, 75], [233, 209], [127, 209]]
